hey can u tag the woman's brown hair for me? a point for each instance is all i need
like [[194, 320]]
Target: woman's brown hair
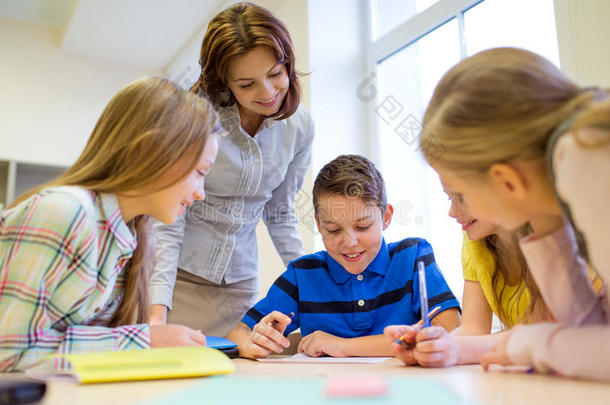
[[235, 32], [144, 130]]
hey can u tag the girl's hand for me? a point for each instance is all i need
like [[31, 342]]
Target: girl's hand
[[321, 343], [158, 314], [175, 335], [436, 348], [402, 351], [498, 354], [267, 336]]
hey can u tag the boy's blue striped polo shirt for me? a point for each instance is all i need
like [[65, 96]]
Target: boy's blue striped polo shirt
[[324, 296]]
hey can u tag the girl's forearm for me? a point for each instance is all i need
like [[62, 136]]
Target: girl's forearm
[[473, 347]]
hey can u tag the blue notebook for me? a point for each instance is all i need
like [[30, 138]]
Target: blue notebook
[[217, 342]]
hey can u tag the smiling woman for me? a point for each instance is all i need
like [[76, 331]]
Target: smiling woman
[[259, 83], [207, 263]]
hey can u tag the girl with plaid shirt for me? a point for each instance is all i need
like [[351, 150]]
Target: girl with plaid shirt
[[75, 253]]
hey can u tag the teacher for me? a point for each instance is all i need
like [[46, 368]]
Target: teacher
[[206, 272]]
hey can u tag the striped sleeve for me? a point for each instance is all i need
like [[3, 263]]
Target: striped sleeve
[[439, 292], [283, 296], [48, 269]]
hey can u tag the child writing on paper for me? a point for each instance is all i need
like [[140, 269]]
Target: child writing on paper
[[75, 253], [344, 296], [526, 146], [496, 281]]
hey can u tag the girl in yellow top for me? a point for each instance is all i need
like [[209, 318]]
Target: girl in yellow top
[[496, 281], [485, 263]]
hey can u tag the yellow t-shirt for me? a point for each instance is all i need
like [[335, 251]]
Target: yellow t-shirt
[[479, 265]]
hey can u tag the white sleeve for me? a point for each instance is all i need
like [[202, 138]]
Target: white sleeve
[[169, 244], [572, 352]]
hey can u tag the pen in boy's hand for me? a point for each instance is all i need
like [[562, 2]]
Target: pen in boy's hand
[[433, 312], [275, 321]]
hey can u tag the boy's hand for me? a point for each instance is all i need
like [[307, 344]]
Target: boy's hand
[[403, 351], [267, 336], [436, 348], [175, 335], [320, 343]]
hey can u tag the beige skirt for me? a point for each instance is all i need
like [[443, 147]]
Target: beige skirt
[[212, 308]]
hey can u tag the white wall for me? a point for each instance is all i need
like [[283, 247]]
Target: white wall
[[583, 32], [50, 100], [337, 33]]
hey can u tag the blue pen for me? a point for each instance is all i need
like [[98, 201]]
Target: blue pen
[[423, 293]]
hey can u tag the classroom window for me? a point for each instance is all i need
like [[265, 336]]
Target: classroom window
[[419, 44], [388, 14], [519, 23]]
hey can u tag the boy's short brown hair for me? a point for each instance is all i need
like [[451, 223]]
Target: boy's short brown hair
[[351, 176]]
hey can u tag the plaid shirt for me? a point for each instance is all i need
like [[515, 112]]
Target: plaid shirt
[[61, 256]]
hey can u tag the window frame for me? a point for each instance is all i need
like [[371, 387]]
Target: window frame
[[405, 34]]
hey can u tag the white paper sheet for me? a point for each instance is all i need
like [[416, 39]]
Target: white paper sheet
[[303, 358]]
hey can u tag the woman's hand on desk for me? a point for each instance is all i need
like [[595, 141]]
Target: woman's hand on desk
[[320, 343], [175, 335], [158, 314]]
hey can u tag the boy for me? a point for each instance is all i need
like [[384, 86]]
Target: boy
[[342, 298]]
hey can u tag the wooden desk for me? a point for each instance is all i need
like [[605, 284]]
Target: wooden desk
[[468, 381]]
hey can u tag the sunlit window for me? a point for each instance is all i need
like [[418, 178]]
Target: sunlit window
[[519, 23]]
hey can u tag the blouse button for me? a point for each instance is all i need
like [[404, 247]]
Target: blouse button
[[360, 277], [360, 303]]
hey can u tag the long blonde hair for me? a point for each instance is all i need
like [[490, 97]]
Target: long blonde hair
[[497, 106], [144, 130], [596, 116]]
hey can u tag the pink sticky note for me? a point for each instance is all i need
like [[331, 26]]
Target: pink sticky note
[[355, 386]]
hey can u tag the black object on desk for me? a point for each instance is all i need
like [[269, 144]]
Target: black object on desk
[[14, 391], [231, 352]]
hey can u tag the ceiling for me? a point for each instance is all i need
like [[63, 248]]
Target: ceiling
[[140, 34]]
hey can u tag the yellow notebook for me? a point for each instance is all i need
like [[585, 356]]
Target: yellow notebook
[[151, 364]]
